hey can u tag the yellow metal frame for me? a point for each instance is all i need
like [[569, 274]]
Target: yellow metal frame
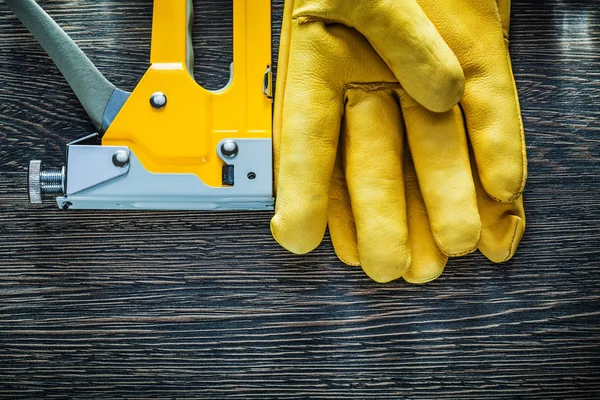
[[183, 136]]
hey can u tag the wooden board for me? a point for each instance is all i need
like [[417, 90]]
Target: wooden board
[[206, 305]]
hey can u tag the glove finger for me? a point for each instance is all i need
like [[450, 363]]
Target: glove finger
[[503, 225], [373, 136], [440, 152], [406, 39], [493, 116], [342, 227], [490, 103], [308, 137], [428, 262]]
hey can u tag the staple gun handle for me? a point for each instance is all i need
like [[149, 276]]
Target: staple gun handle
[[97, 95], [167, 44]]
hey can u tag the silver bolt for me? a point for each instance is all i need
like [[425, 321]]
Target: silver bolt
[[44, 182], [229, 148], [158, 100], [121, 159]]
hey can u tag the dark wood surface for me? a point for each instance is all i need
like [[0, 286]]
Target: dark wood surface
[[206, 305]]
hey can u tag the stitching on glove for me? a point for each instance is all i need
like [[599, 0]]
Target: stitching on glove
[[521, 126], [303, 20], [513, 250], [424, 281], [346, 262], [464, 253], [372, 86]]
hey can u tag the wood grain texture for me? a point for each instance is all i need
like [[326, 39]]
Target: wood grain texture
[[206, 305]]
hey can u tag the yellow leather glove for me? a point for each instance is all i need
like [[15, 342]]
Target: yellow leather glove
[[372, 225], [503, 224], [320, 62]]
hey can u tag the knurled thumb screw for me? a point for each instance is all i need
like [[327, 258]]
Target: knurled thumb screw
[[42, 182]]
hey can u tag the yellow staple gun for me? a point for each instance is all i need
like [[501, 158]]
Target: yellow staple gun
[[170, 144]]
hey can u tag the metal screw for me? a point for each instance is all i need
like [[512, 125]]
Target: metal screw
[[158, 100], [42, 182], [229, 148], [121, 159]]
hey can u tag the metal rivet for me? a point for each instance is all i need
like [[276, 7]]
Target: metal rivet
[[121, 159], [229, 148], [252, 176], [158, 100]]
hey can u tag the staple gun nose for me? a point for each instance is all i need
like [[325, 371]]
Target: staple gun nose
[[170, 144]]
